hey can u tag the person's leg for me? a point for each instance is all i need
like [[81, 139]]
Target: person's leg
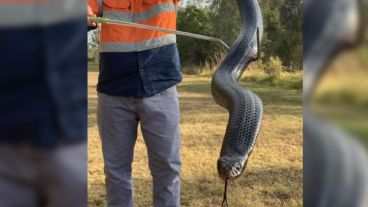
[[159, 116], [63, 176], [17, 178], [117, 124]]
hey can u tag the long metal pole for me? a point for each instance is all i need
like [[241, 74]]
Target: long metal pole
[[161, 29]]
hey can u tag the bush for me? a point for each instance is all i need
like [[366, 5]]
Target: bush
[[281, 79], [274, 66]]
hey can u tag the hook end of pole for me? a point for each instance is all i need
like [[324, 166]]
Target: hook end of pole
[[258, 45], [224, 44]]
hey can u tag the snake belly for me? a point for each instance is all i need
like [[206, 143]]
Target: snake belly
[[245, 107]]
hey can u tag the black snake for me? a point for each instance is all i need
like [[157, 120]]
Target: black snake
[[244, 107]]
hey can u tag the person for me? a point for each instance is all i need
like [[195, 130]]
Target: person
[[139, 71], [43, 103]]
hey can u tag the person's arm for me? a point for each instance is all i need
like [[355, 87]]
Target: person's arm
[[92, 11]]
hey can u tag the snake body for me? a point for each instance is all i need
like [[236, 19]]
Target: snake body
[[244, 107]]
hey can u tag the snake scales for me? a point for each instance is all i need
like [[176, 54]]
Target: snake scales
[[244, 107]]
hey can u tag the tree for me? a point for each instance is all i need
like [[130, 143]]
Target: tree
[[93, 43], [291, 37], [193, 51], [225, 18]]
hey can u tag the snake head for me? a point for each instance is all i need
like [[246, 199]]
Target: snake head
[[230, 167]]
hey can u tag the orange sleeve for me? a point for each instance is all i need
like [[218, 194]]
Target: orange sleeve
[[94, 6]]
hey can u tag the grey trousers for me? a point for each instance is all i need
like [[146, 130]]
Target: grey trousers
[[32, 177], [118, 119]]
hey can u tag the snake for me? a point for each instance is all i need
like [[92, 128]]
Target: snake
[[245, 108]]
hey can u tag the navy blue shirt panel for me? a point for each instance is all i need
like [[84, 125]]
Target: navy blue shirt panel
[[43, 84], [139, 74]]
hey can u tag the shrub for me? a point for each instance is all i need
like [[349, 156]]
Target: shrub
[[274, 66]]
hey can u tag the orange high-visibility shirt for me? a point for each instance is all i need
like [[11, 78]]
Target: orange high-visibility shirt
[[117, 38]]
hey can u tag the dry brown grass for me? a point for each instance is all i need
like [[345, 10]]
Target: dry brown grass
[[274, 173]]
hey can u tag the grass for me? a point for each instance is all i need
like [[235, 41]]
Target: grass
[[273, 177], [286, 80], [266, 74]]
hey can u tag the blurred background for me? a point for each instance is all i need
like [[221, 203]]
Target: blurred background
[[340, 94], [341, 97], [335, 103], [43, 103]]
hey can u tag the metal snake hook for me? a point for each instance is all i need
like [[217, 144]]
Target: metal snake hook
[[161, 29], [258, 45]]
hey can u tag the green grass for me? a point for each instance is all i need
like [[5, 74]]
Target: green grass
[[273, 177]]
